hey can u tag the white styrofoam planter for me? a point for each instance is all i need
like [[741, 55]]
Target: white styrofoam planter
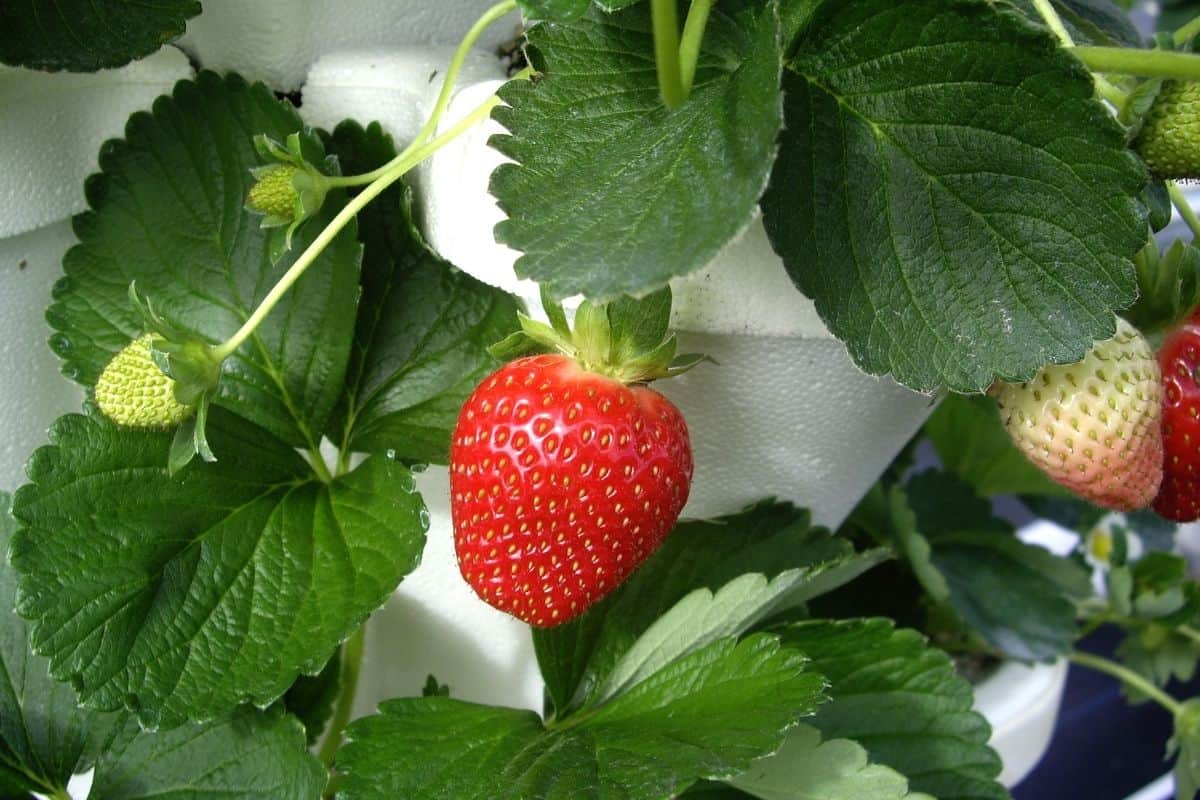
[[1021, 703]]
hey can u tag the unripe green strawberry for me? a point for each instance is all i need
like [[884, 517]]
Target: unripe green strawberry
[[1169, 141], [274, 194], [1094, 426], [132, 390]]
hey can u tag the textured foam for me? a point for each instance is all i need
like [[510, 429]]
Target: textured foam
[[278, 42], [52, 126], [34, 391]]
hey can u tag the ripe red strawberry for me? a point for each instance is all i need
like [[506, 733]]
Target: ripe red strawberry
[[1093, 426], [562, 482], [1179, 358]]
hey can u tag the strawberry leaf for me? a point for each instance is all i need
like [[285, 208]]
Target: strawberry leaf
[[705, 715], [83, 35], [1099, 22], [44, 736], [972, 443], [903, 701], [624, 194], [807, 768], [1019, 597], [253, 754], [768, 539], [166, 212], [987, 207], [557, 10], [420, 346], [183, 598]]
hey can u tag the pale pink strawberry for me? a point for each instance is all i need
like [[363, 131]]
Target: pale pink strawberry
[[1094, 426]]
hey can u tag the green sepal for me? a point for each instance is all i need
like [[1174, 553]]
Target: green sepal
[[189, 361], [628, 339], [308, 184], [1157, 200], [1168, 286], [1137, 107]]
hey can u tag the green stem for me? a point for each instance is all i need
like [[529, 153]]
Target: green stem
[[1127, 676], [319, 466], [1054, 22], [689, 45], [1184, 208], [1143, 63], [1188, 632], [356, 204], [352, 655], [665, 19], [443, 99], [1187, 32], [1105, 89]]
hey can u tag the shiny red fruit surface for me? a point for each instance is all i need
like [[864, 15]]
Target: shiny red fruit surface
[[562, 482], [1179, 357]]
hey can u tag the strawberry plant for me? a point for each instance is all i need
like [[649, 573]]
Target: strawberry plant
[[974, 195]]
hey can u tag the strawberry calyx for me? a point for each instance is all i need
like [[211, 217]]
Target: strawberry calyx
[[195, 370], [628, 340], [287, 191]]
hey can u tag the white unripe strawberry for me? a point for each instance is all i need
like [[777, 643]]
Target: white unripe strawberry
[[1094, 426]]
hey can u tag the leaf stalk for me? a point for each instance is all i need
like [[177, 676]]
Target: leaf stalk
[[1128, 676]]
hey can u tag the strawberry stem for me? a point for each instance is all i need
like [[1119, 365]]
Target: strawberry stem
[[1187, 32], [1053, 21], [689, 45], [1128, 676], [1142, 63], [665, 18], [1180, 201], [352, 655], [351, 209]]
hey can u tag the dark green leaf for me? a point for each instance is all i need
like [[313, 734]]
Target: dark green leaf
[[1098, 22], [985, 208], [555, 10], [44, 736], [707, 715], [622, 195], [255, 755], [903, 701], [167, 213], [182, 598], [87, 35], [971, 442], [1176, 13], [423, 327], [1017, 596], [768, 538], [311, 697]]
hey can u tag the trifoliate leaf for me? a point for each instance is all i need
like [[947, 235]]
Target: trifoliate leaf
[[254, 755], [423, 330], [807, 768], [1019, 597], [87, 35], [622, 194], [182, 598], [166, 212], [766, 539], [707, 715], [971, 443], [903, 701], [951, 194], [44, 736], [1158, 654]]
